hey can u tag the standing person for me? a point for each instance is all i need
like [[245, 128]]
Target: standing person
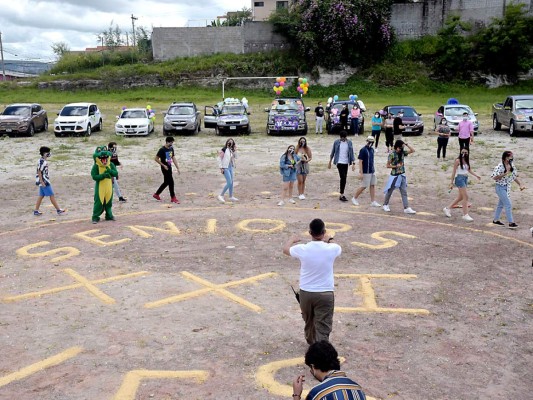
[[226, 163], [389, 133], [397, 178], [342, 156], [317, 287], [42, 179], [324, 364], [465, 132], [367, 173], [112, 147], [377, 121], [319, 114], [355, 114], [461, 169], [443, 130], [504, 174], [287, 169], [398, 126], [343, 117], [165, 157], [302, 168]]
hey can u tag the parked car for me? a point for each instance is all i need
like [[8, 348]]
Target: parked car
[[23, 119], [134, 122], [412, 120], [182, 117], [332, 119], [287, 115], [516, 113], [78, 118], [229, 116], [454, 114]]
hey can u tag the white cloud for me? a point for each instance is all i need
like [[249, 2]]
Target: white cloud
[[30, 27]]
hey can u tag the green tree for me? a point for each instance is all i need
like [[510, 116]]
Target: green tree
[[329, 32], [111, 38], [60, 49]]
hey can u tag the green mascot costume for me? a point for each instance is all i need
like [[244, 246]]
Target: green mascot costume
[[102, 172]]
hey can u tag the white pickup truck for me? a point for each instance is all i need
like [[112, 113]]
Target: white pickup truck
[[516, 113]]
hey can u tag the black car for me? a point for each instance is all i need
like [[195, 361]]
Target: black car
[[412, 121], [334, 110], [286, 115]]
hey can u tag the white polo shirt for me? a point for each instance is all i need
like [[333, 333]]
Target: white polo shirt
[[316, 265]]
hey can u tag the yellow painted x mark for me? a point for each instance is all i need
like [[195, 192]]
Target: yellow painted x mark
[[217, 289], [82, 282]]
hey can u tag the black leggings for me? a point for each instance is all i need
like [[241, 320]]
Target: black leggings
[[168, 180], [389, 138], [464, 144], [376, 135], [442, 143], [343, 173]]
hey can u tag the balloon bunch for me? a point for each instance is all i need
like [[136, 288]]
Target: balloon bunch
[[303, 86], [353, 97], [279, 85], [151, 113]]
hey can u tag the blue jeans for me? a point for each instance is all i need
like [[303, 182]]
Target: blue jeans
[[503, 202], [355, 126], [228, 174]]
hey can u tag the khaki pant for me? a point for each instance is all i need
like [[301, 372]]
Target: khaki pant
[[317, 312]]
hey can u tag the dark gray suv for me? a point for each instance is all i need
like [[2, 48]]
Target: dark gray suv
[[182, 118]]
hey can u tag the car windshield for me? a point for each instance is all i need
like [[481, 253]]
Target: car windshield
[[21, 111], [524, 104], [407, 112], [74, 111], [458, 111], [339, 106], [133, 114], [239, 110], [181, 110], [290, 105]]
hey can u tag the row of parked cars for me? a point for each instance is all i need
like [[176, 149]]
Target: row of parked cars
[[286, 115]]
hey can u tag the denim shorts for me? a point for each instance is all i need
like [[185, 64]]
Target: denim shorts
[[291, 177], [46, 191], [461, 181]]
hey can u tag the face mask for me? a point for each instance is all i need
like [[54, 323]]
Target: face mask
[[376, 115], [511, 160], [291, 151], [48, 155], [465, 118]]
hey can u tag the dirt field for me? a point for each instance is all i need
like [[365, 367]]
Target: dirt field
[[193, 301]]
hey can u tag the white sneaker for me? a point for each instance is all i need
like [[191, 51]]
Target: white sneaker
[[375, 204], [467, 218], [281, 203], [221, 198], [354, 201], [291, 201], [376, 150], [301, 197], [447, 212], [233, 198], [409, 210], [386, 208]]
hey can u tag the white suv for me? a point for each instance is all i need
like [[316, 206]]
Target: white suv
[[78, 118]]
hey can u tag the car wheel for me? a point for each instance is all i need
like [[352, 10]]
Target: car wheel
[[99, 126], [249, 130], [199, 126], [217, 131], [88, 131], [511, 128], [195, 131], [362, 129], [31, 130], [45, 125], [495, 124], [57, 134]]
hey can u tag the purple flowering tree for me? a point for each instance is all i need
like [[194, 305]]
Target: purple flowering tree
[[329, 32]]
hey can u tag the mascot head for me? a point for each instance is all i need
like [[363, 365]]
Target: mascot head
[[101, 156]]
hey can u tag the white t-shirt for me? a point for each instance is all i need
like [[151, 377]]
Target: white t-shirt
[[316, 260], [343, 153]]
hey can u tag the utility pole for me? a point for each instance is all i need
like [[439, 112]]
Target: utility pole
[[2, 53], [133, 19]]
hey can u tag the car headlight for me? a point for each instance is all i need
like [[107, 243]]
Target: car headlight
[[81, 121], [521, 117], [119, 126]]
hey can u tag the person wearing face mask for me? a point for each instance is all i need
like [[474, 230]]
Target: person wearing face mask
[[504, 174], [319, 114], [287, 169], [397, 178], [465, 132], [302, 168], [355, 114], [389, 133], [342, 156], [343, 117], [398, 126], [226, 163], [42, 180], [376, 122], [443, 130], [367, 173], [461, 169]]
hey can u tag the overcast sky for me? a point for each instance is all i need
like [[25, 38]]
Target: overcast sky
[[29, 27]]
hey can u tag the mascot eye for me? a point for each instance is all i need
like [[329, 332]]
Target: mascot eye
[[104, 148]]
